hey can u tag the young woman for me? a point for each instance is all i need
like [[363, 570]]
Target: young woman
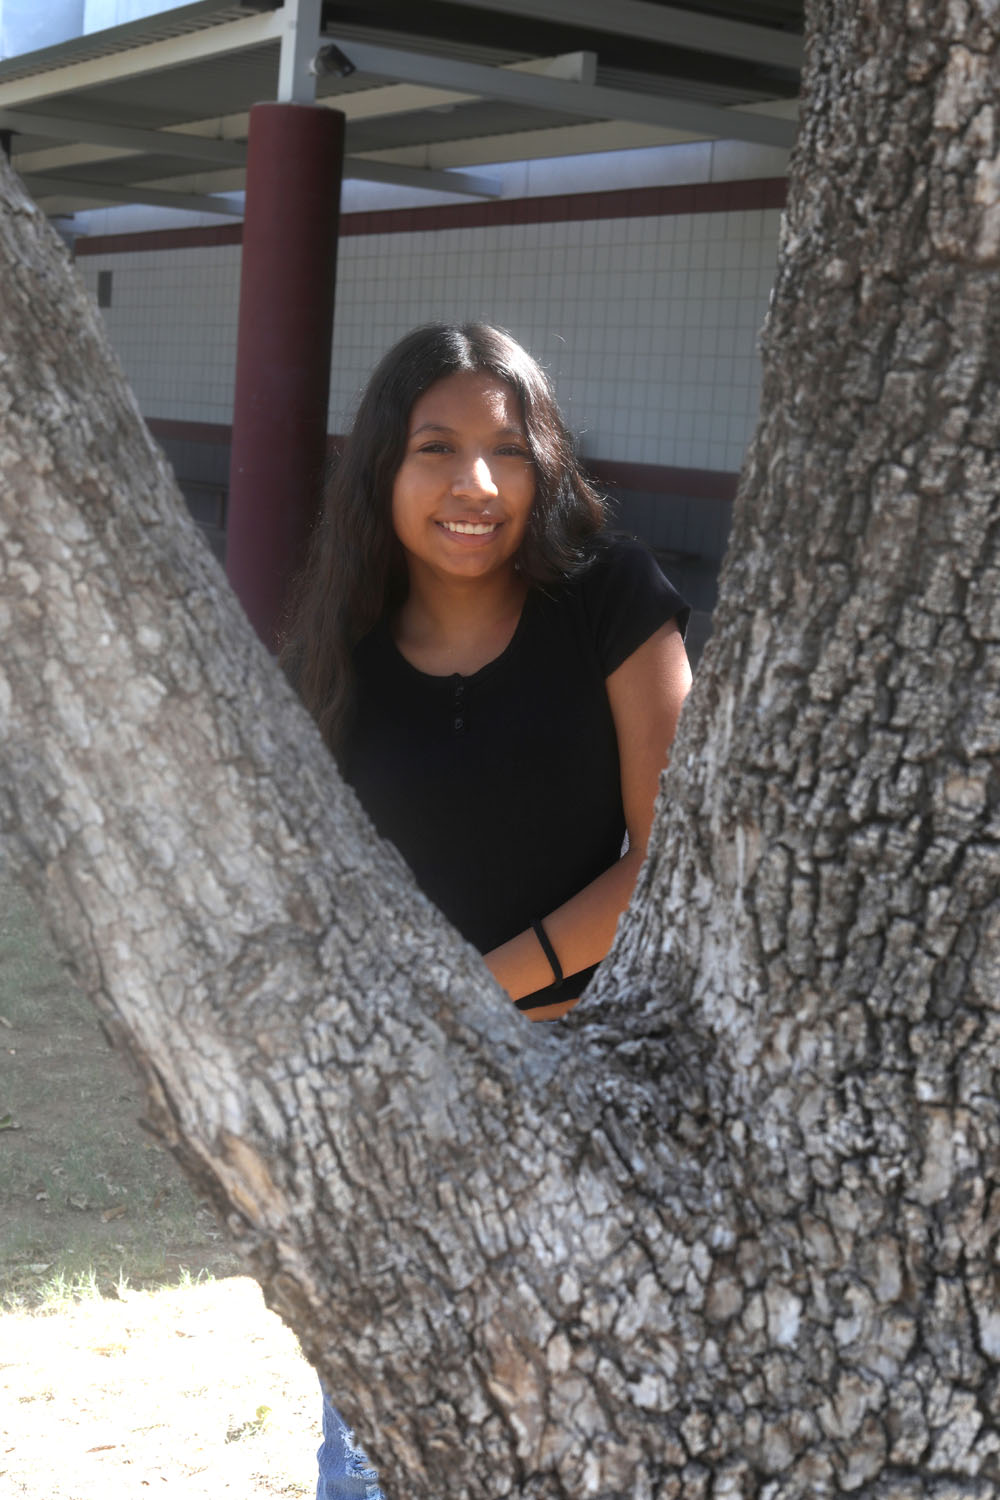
[[498, 678]]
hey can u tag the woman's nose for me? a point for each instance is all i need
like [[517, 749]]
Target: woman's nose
[[474, 478]]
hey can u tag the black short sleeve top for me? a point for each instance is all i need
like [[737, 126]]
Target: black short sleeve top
[[502, 790]]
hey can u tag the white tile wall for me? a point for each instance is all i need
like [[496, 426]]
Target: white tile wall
[[647, 325], [173, 321]]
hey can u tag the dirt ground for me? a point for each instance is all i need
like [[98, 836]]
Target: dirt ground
[[134, 1358]]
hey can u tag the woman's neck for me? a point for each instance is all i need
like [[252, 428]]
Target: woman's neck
[[458, 626]]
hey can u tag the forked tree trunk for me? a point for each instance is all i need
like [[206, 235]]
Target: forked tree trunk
[[731, 1230]]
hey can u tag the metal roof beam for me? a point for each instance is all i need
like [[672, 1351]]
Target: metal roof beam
[[590, 102], [572, 138], [109, 192], [149, 142], [662, 23], [153, 57], [360, 168], [468, 183], [299, 41]]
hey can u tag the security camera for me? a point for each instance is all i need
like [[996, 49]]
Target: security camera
[[330, 59]]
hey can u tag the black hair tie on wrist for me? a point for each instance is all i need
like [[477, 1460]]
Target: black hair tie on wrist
[[548, 950]]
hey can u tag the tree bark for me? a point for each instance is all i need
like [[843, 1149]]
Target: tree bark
[[731, 1230]]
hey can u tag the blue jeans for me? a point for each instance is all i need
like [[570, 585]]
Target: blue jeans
[[344, 1470]]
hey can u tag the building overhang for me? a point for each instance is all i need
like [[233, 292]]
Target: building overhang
[[157, 111]]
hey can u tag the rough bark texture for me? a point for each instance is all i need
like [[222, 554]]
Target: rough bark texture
[[732, 1230]]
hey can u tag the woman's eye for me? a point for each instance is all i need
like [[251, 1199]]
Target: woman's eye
[[514, 450]]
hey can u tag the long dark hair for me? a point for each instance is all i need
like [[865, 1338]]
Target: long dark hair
[[357, 569]]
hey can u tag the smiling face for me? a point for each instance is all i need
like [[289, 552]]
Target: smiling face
[[463, 493]]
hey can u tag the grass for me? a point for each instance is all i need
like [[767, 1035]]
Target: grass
[[60, 1291], [29, 966], [55, 1291], [50, 1289]]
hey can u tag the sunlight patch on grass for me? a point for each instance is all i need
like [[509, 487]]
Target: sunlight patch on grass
[[195, 1389]]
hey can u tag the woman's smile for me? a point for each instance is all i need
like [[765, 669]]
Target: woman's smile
[[470, 528]]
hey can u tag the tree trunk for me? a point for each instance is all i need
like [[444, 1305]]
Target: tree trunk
[[731, 1230]]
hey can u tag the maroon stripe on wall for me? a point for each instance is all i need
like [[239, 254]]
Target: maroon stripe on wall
[[160, 239], [190, 432], [624, 203], [657, 479], [662, 479]]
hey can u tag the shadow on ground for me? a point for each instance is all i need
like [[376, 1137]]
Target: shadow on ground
[[82, 1188]]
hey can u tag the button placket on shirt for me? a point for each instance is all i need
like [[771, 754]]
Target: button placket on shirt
[[458, 706]]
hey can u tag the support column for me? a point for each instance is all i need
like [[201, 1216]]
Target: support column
[[294, 164]]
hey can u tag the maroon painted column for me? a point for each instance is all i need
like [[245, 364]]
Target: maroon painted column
[[294, 164]]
